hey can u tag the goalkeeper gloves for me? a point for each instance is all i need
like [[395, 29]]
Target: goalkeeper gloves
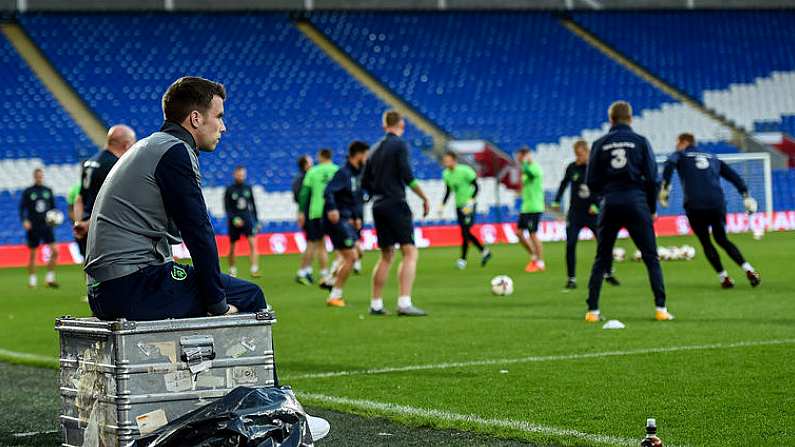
[[593, 210], [750, 204], [665, 192], [468, 207]]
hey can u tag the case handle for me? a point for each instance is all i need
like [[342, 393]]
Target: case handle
[[198, 351]]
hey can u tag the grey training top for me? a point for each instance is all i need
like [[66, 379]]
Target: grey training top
[[151, 199]]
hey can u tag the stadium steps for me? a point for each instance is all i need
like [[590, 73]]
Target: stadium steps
[[55, 83], [643, 73], [740, 137], [339, 56]]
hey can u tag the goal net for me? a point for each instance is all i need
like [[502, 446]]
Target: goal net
[[754, 168]]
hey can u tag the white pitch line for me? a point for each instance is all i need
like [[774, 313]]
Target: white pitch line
[[33, 433], [25, 356], [546, 358], [471, 419]]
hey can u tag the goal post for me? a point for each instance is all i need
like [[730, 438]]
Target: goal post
[[755, 168]]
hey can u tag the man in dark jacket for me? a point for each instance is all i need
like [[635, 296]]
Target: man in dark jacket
[[583, 211], [622, 169], [386, 176], [344, 211], [36, 201], [242, 220], [151, 199], [705, 204]]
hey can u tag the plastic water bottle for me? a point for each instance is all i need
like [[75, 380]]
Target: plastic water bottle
[[651, 439]]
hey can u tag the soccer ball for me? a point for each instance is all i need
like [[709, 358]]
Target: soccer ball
[[53, 217], [619, 254], [688, 252], [502, 285]]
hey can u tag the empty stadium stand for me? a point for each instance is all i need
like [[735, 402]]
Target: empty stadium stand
[[512, 78], [739, 63]]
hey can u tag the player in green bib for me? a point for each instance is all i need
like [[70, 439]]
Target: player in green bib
[[531, 210], [71, 197], [462, 181], [311, 197]]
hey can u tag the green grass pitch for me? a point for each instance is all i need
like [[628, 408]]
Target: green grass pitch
[[723, 371]]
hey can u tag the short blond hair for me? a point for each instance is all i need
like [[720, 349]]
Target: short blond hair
[[580, 144], [620, 112], [391, 118]]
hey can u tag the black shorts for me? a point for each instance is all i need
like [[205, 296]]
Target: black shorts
[[704, 219], [235, 233], [529, 221], [393, 223], [40, 234], [342, 234], [465, 220], [314, 230]]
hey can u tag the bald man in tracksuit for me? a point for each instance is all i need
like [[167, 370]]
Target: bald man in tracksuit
[[151, 199]]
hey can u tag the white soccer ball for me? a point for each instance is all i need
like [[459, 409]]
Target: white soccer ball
[[53, 217], [502, 285], [689, 252], [664, 253], [619, 254], [637, 256]]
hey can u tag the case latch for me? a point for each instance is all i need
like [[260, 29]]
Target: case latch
[[198, 351]]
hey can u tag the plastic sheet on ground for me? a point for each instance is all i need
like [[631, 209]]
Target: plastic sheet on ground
[[246, 417]]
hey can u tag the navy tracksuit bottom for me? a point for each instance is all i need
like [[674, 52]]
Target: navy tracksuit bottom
[[630, 212], [166, 291], [575, 222]]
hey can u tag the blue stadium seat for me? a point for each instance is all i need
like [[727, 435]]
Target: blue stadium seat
[[286, 97], [513, 78], [701, 50]]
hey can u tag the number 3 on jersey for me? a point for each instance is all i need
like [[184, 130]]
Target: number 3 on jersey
[[619, 159], [702, 162]]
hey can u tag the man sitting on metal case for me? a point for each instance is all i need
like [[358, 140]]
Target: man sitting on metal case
[[151, 199]]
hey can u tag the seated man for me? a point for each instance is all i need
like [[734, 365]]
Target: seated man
[[151, 199]]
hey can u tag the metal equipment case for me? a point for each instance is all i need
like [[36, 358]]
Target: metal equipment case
[[121, 379]]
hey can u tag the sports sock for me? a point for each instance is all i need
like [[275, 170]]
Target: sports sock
[[357, 265], [747, 267], [324, 273], [404, 301], [50, 276], [662, 309], [572, 279], [254, 268], [335, 293], [32, 280], [376, 304], [595, 312], [233, 271], [723, 275], [303, 271]]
